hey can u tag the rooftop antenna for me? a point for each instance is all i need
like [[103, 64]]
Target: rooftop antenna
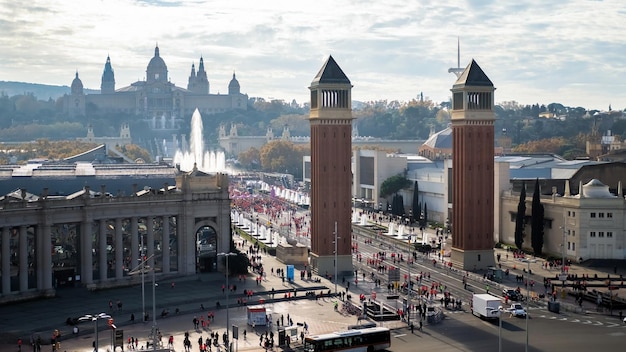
[[458, 70]]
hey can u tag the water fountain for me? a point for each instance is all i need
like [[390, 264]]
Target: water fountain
[[195, 154], [391, 231]]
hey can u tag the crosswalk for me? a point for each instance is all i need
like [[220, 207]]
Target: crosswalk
[[584, 321], [543, 314]]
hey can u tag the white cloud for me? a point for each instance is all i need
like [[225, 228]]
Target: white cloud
[[534, 51]]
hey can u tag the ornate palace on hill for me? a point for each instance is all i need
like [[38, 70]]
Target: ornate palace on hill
[[155, 99]]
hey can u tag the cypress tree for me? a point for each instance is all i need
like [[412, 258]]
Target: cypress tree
[[414, 203], [519, 219], [537, 217]]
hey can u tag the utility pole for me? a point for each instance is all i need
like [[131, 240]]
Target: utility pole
[[336, 238]]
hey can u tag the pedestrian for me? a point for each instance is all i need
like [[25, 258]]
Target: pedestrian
[[132, 318], [170, 342], [110, 305], [19, 345], [412, 328], [421, 324], [119, 305]]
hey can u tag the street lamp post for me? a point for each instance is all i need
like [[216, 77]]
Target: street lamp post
[[500, 310], [154, 324], [226, 255], [95, 319], [143, 283], [408, 296], [527, 295], [335, 242]]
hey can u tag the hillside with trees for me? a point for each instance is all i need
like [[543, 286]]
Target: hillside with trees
[[543, 128]]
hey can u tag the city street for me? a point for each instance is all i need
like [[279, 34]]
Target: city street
[[459, 331]]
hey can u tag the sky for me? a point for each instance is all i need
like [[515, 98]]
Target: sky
[[534, 51]]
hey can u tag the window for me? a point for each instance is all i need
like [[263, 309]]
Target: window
[[601, 215], [573, 214], [573, 246], [573, 232], [609, 215], [569, 213], [592, 234], [601, 234], [593, 215], [569, 246], [609, 234]]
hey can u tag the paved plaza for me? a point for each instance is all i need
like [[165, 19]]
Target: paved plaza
[[186, 297]]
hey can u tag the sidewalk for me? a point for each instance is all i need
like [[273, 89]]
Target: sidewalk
[[568, 302], [184, 298]]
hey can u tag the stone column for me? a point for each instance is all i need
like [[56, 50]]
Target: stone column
[[87, 253], [134, 243], [166, 244], [150, 240], [119, 250], [23, 259], [45, 270], [6, 261], [38, 258], [102, 250]]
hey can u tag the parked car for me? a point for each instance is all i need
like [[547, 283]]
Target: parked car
[[517, 310], [513, 295]]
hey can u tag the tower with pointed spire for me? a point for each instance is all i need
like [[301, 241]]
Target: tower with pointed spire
[[198, 82], [458, 69], [473, 170], [107, 86], [331, 175]]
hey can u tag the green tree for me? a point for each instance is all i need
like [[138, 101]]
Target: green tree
[[135, 152], [283, 156], [537, 218], [250, 159], [393, 184], [415, 203], [519, 218]]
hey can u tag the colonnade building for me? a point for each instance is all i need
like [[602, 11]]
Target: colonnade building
[[95, 240]]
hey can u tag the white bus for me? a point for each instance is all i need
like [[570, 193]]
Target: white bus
[[357, 340]]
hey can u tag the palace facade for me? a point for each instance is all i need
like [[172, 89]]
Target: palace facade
[[155, 99], [94, 239]]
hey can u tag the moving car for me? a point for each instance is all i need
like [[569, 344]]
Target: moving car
[[517, 310], [514, 295]]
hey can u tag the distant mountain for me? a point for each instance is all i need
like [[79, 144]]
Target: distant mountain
[[41, 91]]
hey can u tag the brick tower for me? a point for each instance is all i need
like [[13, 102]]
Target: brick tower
[[472, 169], [331, 174]]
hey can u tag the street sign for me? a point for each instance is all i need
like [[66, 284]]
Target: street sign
[[393, 274], [235, 332]]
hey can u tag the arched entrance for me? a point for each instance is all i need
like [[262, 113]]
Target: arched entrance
[[206, 249]]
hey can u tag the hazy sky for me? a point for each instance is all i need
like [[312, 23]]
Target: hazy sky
[[535, 51]]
